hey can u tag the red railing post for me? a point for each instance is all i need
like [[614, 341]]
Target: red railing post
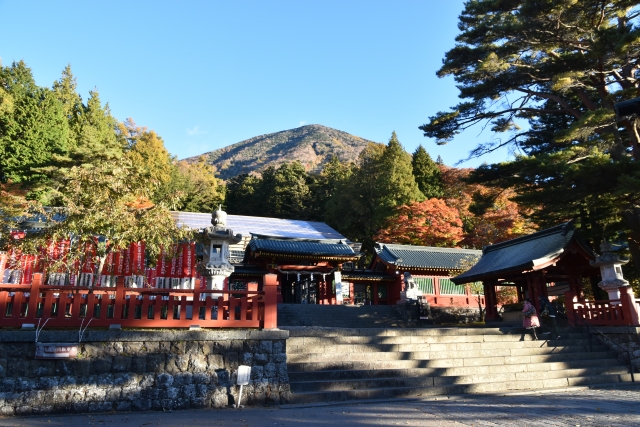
[[629, 307], [120, 299], [569, 300], [270, 301], [34, 295]]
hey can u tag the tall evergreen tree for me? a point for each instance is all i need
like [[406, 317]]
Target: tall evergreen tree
[[33, 127], [65, 90], [560, 66], [427, 174]]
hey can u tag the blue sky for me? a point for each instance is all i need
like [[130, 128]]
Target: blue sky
[[206, 74]]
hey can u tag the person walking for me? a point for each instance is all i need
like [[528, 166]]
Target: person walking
[[531, 320], [548, 313]]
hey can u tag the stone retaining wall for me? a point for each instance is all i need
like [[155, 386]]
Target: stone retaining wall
[[141, 370], [626, 338]]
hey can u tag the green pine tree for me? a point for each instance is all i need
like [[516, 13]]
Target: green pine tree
[[427, 174]]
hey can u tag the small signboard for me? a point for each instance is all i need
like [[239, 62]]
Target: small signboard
[[339, 299], [244, 374], [56, 351]]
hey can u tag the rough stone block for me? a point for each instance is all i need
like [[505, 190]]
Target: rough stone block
[[25, 384], [260, 359], [257, 373], [181, 379], [24, 410], [113, 394], [101, 365], [7, 410], [177, 363], [48, 383], [164, 380], [236, 346], [279, 346], [155, 363], [100, 406], [95, 395], [138, 364], [178, 347], [193, 347], [121, 364], [83, 368], [18, 367], [266, 347], [215, 362], [269, 370], [122, 406], [246, 358], [141, 405], [279, 357], [282, 373], [197, 363], [8, 385], [66, 381]]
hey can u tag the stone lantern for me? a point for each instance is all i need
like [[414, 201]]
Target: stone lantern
[[610, 270], [215, 266]]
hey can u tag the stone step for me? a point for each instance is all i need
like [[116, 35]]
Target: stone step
[[416, 392], [406, 335], [427, 381], [435, 355], [297, 346], [326, 375], [444, 363]]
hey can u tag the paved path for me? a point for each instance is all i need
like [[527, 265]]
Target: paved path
[[570, 407]]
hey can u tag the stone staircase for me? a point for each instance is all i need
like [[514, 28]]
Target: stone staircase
[[334, 364], [340, 316]]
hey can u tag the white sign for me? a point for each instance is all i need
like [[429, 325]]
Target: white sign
[[56, 351], [339, 293], [244, 374]]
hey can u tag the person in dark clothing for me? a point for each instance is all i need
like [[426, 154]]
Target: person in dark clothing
[[548, 313]]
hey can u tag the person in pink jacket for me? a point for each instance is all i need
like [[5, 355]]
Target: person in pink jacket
[[531, 320]]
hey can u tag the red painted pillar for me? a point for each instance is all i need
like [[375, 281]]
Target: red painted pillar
[[491, 301], [270, 301], [569, 299], [629, 306]]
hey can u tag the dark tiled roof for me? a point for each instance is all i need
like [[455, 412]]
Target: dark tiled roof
[[426, 256], [523, 253], [302, 247]]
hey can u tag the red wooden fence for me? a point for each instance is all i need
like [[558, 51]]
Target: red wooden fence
[[622, 312], [74, 306]]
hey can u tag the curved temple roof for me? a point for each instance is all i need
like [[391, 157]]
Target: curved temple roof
[[427, 257], [531, 252], [302, 247]]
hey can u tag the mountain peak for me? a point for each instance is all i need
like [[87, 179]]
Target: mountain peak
[[312, 145]]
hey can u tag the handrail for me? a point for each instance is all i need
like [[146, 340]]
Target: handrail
[[590, 337]]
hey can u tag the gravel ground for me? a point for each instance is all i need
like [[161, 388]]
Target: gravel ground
[[568, 407]]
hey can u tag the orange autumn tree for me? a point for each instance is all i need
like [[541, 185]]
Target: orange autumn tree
[[428, 223], [488, 215]]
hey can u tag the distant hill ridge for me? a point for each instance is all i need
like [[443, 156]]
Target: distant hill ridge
[[311, 145]]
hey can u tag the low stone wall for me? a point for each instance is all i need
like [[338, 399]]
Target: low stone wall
[[439, 315], [141, 371], [626, 338]]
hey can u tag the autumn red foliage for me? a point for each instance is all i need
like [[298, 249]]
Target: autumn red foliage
[[428, 223]]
